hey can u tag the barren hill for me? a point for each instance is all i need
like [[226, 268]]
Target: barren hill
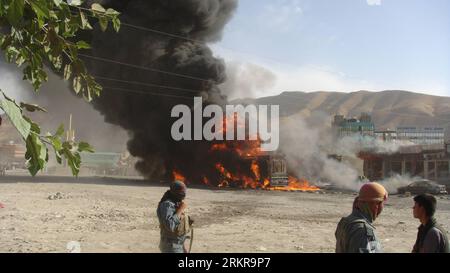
[[389, 109]]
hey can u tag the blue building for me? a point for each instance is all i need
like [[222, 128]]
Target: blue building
[[362, 126]]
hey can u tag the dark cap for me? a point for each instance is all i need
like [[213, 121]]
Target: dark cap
[[178, 188]]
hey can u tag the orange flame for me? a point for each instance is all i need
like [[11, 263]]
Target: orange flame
[[255, 169], [178, 176], [218, 147], [223, 171], [296, 185], [249, 150]]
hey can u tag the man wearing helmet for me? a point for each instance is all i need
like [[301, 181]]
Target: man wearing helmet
[[355, 233]]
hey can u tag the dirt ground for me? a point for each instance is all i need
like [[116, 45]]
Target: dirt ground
[[120, 217]]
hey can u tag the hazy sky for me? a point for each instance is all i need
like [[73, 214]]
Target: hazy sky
[[272, 46], [339, 45]]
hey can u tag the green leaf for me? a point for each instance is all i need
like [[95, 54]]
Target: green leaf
[[6, 41], [77, 84], [57, 62], [60, 130], [84, 21], [57, 2], [2, 8], [20, 59], [56, 142], [36, 154], [98, 7], [73, 159], [15, 11], [67, 71], [11, 54], [34, 126], [103, 21], [116, 24], [87, 95], [32, 107], [112, 12], [83, 45], [40, 8], [14, 113], [58, 157], [85, 147], [56, 43], [74, 2]]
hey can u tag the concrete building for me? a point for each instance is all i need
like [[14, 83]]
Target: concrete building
[[426, 161], [353, 126], [386, 135], [422, 135]]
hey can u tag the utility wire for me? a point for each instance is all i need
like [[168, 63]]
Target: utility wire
[[147, 84], [144, 92], [143, 67]]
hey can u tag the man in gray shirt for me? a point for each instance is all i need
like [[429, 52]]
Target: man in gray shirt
[[431, 238], [356, 233]]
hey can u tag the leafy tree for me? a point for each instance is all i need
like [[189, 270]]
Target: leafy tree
[[41, 34]]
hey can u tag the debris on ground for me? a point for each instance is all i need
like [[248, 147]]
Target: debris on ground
[[56, 196]]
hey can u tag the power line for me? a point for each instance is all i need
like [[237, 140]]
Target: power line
[[196, 91], [149, 29], [144, 68], [164, 33], [138, 91], [144, 92], [147, 84]]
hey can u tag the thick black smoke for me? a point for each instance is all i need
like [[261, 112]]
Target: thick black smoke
[[145, 115]]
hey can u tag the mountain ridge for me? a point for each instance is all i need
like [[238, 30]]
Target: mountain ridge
[[389, 108]]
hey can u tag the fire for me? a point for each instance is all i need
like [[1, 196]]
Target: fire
[[241, 148], [223, 171], [255, 170], [178, 176], [296, 185], [242, 164], [218, 147]]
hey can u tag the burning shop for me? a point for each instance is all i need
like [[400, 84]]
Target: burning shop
[[426, 161]]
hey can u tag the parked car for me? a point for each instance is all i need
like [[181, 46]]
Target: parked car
[[423, 186]]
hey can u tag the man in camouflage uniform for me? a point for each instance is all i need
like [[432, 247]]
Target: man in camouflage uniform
[[174, 223], [355, 233]]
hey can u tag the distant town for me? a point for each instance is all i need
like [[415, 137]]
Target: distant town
[[422, 151]]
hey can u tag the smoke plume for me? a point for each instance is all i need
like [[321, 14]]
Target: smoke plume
[[246, 80], [179, 65], [309, 144]]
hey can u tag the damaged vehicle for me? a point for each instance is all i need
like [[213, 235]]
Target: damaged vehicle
[[423, 186]]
